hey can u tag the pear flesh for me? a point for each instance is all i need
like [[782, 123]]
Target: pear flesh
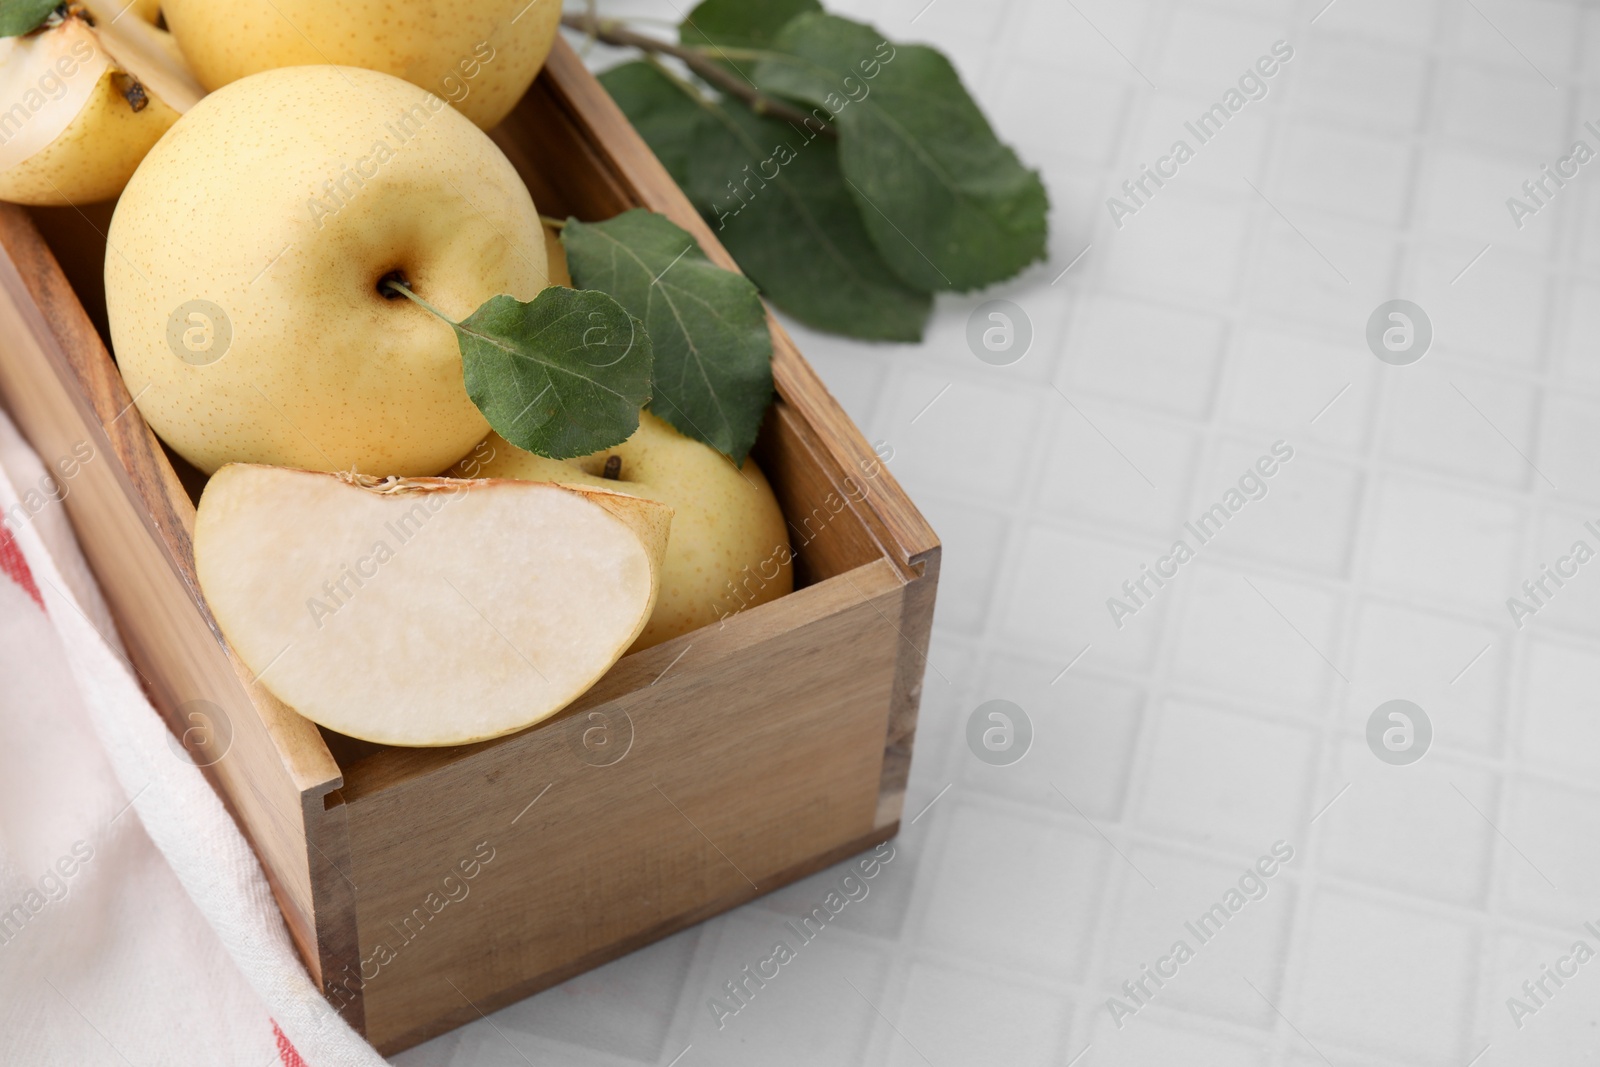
[[82, 100], [730, 546], [427, 611]]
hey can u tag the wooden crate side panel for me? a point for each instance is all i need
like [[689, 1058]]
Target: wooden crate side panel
[[540, 131], [911, 675], [740, 769], [828, 516], [60, 386], [333, 900], [464, 1012]]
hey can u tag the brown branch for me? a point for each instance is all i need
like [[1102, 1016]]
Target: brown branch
[[613, 32]]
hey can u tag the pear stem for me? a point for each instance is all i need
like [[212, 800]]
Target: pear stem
[[700, 61], [395, 286], [554, 223]]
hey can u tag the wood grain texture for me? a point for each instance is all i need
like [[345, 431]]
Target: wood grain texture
[[462, 1013]]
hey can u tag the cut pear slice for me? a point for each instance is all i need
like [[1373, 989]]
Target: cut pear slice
[[425, 611], [82, 100]]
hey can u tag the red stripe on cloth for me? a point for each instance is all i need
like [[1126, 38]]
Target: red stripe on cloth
[[286, 1051], [13, 564]]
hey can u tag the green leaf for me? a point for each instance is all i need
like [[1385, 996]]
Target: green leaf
[[713, 350], [741, 23], [803, 242], [18, 17], [947, 204], [563, 375], [789, 219], [662, 113]]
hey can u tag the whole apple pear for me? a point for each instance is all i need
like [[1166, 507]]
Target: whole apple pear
[[480, 55], [246, 258]]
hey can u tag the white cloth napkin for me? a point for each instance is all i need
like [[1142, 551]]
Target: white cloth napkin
[[136, 927]]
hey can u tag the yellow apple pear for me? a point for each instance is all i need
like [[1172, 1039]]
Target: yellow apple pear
[[480, 56], [729, 548], [246, 259]]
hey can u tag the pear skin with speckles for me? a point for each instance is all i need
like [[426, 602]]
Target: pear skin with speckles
[[481, 56]]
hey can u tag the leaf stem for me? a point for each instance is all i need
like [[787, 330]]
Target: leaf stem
[[732, 52], [394, 286], [553, 222], [689, 88], [613, 32]]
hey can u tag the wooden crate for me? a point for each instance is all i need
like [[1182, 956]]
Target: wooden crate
[[756, 751]]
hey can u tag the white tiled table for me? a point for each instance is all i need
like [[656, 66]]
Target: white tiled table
[[1230, 712]]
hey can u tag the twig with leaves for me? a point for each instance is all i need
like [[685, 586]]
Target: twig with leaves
[[852, 177]]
